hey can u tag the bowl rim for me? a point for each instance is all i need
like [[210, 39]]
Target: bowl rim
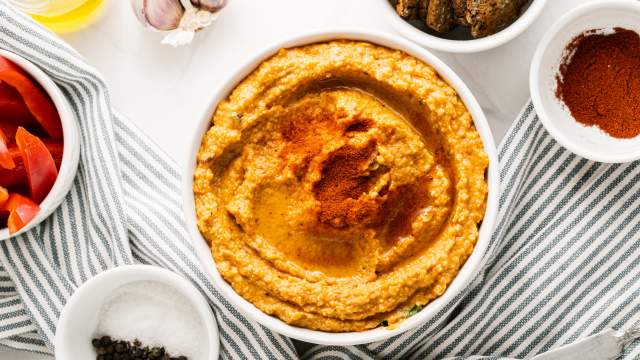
[[71, 143], [464, 46], [466, 273], [142, 273], [536, 91]]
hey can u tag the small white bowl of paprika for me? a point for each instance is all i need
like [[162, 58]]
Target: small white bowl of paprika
[[585, 81], [39, 145]]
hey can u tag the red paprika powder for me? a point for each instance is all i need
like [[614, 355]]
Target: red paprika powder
[[599, 81]]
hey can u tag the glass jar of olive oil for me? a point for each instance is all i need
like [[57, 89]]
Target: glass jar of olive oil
[[63, 16]]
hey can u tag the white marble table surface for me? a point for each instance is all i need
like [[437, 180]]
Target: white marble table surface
[[164, 90]]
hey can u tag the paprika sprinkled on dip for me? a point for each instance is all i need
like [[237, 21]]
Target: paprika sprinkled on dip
[[599, 81]]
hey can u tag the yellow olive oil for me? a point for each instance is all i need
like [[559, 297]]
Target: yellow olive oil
[[65, 16]]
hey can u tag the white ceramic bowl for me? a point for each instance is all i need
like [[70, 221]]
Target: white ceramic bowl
[[71, 141], [462, 46], [80, 316], [589, 142], [467, 272]]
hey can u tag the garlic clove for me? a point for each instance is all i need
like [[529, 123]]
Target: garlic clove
[[181, 19], [209, 5], [163, 14], [138, 10]]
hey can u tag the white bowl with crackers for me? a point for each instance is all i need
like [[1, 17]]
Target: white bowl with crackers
[[465, 26]]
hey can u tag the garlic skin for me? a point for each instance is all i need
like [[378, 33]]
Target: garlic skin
[[193, 20], [181, 19]]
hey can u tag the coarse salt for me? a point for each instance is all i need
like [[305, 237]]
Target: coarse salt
[[157, 315]]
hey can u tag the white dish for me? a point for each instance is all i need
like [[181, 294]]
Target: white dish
[[467, 272], [588, 142], [71, 141], [462, 46], [80, 316]]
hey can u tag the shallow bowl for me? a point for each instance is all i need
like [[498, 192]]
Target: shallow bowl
[[71, 142], [467, 272], [80, 316], [588, 142], [456, 43]]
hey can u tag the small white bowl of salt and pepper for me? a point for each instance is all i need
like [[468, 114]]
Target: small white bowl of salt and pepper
[[137, 306]]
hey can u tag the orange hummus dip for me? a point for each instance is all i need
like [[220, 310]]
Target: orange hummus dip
[[340, 186]]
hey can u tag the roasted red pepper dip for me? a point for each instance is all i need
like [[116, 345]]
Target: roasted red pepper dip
[[30, 146]]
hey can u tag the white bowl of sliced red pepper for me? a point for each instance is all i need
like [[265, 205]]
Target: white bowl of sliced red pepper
[[39, 145]]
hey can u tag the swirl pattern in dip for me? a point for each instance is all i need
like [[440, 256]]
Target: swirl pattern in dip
[[341, 184]]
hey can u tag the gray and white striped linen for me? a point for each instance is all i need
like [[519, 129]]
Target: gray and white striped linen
[[124, 207], [563, 262]]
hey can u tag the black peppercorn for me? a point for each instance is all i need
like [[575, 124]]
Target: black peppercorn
[[105, 340], [108, 349]]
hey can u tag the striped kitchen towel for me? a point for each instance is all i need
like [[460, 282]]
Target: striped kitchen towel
[[563, 263], [125, 207]]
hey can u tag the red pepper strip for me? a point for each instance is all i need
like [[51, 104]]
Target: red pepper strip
[[6, 161], [14, 201], [9, 128], [12, 107], [36, 99], [4, 195], [41, 169], [18, 175], [21, 211]]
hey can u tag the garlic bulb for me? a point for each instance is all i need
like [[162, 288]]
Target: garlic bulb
[[180, 18]]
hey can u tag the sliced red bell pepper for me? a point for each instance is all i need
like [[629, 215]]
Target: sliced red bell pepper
[[4, 196], [18, 175], [14, 200], [38, 102], [21, 211], [13, 107], [6, 161], [8, 127], [41, 169]]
